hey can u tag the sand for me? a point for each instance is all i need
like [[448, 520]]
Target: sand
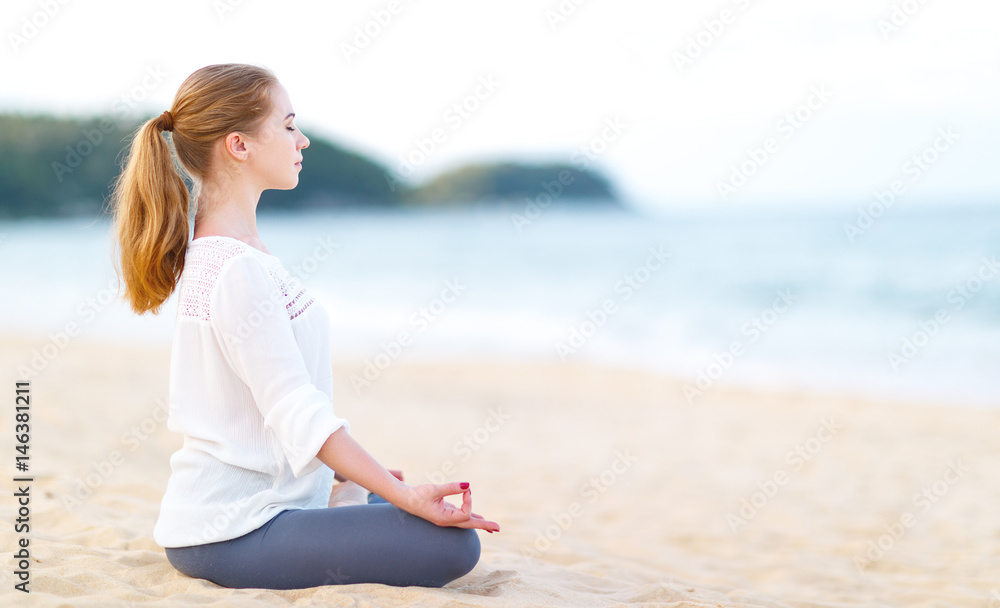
[[610, 488]]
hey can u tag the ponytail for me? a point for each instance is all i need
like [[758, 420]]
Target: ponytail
[[150, 206], [150, 200]]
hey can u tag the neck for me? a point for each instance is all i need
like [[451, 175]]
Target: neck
[[227, 209]]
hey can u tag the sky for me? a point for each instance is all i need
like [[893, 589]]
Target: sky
[[716, 103]]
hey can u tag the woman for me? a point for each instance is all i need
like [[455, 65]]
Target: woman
[[251, 500]]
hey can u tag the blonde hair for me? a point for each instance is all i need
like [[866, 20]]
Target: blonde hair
[[150, 201]]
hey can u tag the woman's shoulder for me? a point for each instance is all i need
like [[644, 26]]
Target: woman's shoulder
[[208, 258], [221, 248], [209, 255], [204, 261]]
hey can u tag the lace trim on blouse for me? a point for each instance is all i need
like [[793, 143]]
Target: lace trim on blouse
[[203, 262]]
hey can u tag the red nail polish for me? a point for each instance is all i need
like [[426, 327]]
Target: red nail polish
[[464, 485]]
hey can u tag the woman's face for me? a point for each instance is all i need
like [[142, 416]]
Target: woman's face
[[276, 149]]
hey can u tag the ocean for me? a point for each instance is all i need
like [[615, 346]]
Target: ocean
[[902, 306]]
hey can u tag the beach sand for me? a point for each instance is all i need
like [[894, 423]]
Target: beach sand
[[609, 487]]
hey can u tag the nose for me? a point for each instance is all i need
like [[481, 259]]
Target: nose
[[304, 143]]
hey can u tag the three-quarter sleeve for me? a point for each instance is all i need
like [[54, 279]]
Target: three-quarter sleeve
[[254, 332]]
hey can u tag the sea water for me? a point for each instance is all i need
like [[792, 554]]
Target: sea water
[[908, 307]]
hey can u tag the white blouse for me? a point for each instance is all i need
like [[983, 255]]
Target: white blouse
[[251, 390]]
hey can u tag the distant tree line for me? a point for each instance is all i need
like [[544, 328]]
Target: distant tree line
[[51, 166]]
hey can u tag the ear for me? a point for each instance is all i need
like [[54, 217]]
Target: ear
[[235, 145]]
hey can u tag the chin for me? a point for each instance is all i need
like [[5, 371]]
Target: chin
[[288, 184]]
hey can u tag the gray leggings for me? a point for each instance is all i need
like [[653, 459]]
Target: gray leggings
[[299, 548]]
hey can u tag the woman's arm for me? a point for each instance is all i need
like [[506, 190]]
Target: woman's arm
[[395, 473], [351, 461], [344, 455]]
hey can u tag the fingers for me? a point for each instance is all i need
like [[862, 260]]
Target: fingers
[[474, 520], [480, 524], [448, 489], [467, 503], [465, 511], [450, 515]]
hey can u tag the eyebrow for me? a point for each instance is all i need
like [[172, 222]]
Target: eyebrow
[[290, 116]]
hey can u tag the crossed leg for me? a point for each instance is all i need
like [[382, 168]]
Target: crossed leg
[[360, 543]]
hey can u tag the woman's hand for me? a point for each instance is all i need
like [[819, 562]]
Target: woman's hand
[[427, 501], [342, 453]]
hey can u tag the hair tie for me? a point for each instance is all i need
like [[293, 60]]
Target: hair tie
[[166, 121]]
